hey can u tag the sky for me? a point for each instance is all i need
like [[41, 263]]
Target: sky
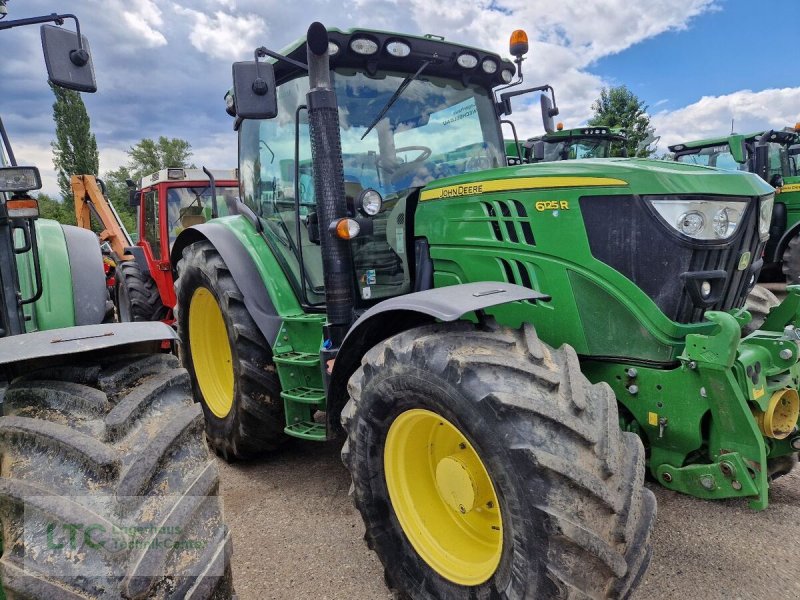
[[164, 66]]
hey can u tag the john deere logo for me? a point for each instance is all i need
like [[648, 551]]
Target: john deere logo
[[744, 260]]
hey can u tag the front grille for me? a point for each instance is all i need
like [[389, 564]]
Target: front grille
[[625, 235], [510, 221]]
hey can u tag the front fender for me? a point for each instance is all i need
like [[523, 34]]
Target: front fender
[[395, 315], [248, 260]]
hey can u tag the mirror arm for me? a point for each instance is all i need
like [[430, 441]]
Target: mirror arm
[[52, 18], [7, 143], [262, 52], [214, 212], [504, 105]]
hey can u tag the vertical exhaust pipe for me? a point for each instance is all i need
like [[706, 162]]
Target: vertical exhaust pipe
[[326, 152]]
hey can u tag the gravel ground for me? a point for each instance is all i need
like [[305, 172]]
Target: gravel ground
[[297, 536]]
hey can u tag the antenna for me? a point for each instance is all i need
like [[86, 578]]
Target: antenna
[[731, 126]]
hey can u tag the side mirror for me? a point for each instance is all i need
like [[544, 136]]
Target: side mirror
[[738, 148], [548, 112], [134, 198], [537, 151], [68, 61], [254, 93]]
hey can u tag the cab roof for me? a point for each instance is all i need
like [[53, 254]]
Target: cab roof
[[442, 54], [600, 131]]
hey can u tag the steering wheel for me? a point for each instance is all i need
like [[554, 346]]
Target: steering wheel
[[424, 151]]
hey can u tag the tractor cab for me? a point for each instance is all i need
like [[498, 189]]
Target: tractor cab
[[569, 144], [411, 111], [171, 200]]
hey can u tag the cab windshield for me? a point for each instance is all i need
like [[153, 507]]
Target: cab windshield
[[187, 206], [437, 128], [573, 148], [720, 157]]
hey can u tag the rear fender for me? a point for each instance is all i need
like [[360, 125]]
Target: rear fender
[[39, 349], [395, 315]]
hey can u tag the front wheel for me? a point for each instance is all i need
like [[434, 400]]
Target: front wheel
[[485, 465], [229, 361]]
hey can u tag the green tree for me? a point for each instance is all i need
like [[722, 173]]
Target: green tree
[[117, 193], [149, 156], [620, 107], [75, 147], [50, 208]]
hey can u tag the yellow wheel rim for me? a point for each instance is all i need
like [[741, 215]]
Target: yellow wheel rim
[[211, 352], [443, 497]]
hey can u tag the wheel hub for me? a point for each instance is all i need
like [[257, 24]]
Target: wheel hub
[[456, 484]]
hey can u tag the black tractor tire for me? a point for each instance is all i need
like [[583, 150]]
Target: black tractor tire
[[790, 262], [778, 467], [576, 518], [256, 421], [92, 450], [137, 295], [759, 302]]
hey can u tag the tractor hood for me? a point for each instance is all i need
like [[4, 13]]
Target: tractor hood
[[638, 176]]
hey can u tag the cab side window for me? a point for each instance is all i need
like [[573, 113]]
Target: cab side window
[[151, 228]]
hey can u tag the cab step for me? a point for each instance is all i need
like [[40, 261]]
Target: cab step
[[307, 430], [305, 395], [298, 359]]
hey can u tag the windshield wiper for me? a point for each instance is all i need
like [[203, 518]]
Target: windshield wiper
[[397, 93]]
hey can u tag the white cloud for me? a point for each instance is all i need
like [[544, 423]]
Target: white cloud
[[144, 20], [711, 115], [223, 35]]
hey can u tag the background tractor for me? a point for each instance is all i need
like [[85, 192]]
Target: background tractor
[[386, 272], [170, 200], [101, 442], [773, 155], [568, 144]]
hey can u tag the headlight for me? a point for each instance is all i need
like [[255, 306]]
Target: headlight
[[399, 49], [363, 46], [370, 202], [765, 214], [701, 219], [468, 61]]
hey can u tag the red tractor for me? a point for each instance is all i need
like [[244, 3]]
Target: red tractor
[[169, 201]]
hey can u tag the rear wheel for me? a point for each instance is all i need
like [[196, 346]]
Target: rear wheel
[[137, 295], [790, 262], [230, 362], [91, 452], [485, 465]]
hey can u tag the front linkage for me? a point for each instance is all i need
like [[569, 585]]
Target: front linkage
[[724, 422]]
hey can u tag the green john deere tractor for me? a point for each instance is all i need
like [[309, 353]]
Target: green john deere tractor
[[107, 489], [387, 272], [774, 156], [569, 144]]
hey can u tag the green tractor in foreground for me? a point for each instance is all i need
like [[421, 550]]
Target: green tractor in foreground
[[106, 488], [387, 273], [774, 156], [569, 144]]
